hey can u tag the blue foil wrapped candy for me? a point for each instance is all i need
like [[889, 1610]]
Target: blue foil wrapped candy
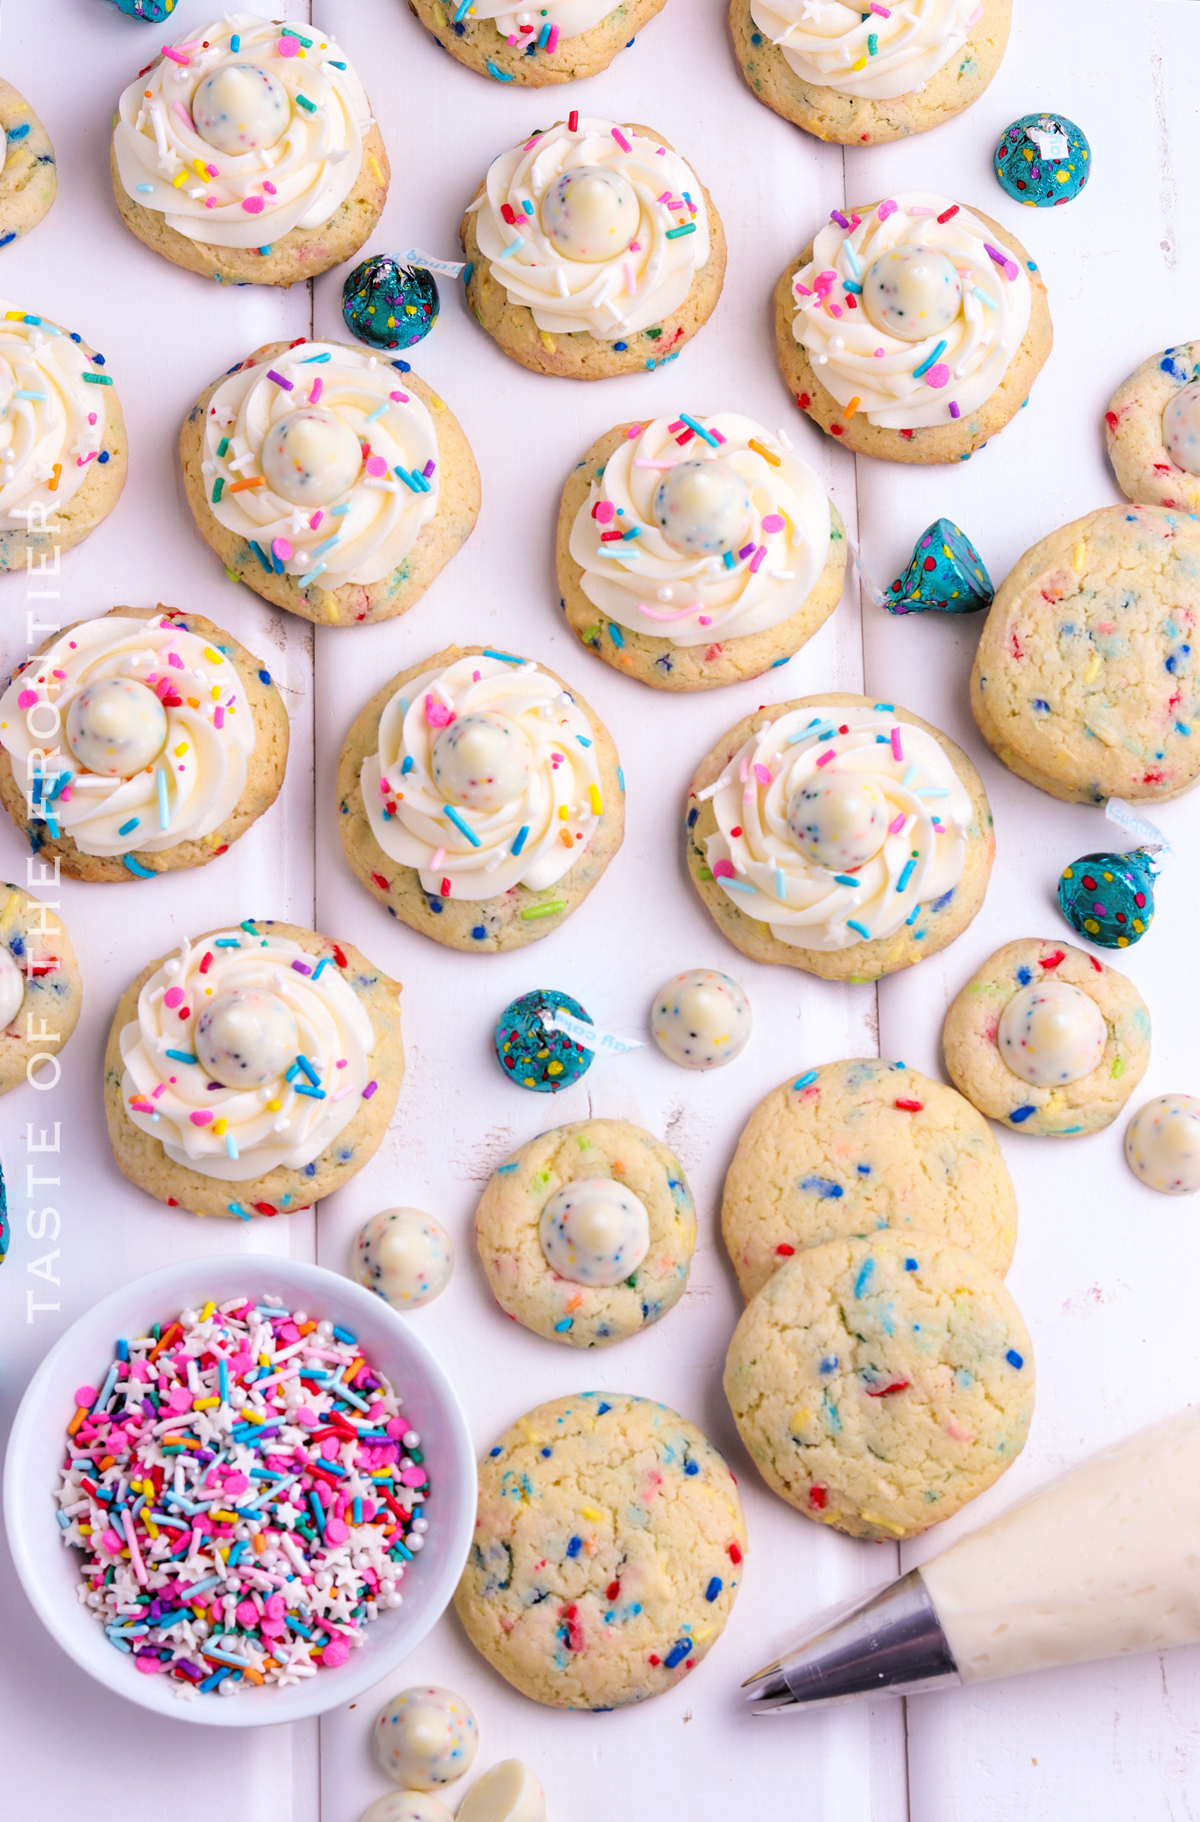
[[388, 305], [1109, 898], [150, 12], [946, 575], [533, 1055], [1042, 160]]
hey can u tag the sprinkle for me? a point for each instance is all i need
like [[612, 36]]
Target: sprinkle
[[460, 825], [535, 911], [677, 233], [929, 361], [774, 460], [852, 924], [136, 867], [621, 140], [897, 749]]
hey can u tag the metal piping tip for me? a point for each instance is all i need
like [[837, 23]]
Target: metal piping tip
[[889, 1643]]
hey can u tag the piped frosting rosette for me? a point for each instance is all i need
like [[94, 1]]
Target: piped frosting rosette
[[247, 1053], [243, 131], [154, 732], [702, 528], [833, 829], [911, 311], [485, 779], [872, 53], [51, 417], [324, 460], [555, 19], [598, 230]]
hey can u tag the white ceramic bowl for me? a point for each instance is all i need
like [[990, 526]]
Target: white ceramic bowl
[[50, 1572]]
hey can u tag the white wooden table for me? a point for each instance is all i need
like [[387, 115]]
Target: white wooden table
[[1104, 1268]]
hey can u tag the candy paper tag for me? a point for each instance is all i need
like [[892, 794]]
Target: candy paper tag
[[415, 257], [1145, 833], [1052, 145], [590, 1036]]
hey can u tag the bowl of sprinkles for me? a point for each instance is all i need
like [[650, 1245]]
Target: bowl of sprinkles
[[240, 1490]]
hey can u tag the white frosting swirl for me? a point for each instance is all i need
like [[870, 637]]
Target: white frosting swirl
[[825, 760], [1051, 1033], [351, 449], [873, 55], [607, 294], [460, 851], [51, 417], [12, 988], [172, 674], [301, 159], [525, 25], [650, 585], [902, 384], [594, 1231], [236, 1134]]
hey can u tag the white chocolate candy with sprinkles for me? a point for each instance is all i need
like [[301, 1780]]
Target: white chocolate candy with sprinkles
[[116, 726], [509, 1792], [404, 1256], [1052, 1033], [701, 1019], [407, 1806], [590, 212], [1181, 429], [703, 508], [911, 292], [838, 820], [241, 108], [482, 761], [426, 1737], [310, 456], [1162, 1144], [594, 1231], [246, 1036], [12, 988]]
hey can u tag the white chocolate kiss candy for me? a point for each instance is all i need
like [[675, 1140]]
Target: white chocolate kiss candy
[[310, 456], [241, 108], [426, 1737], [838, 820], [12, 988], [594, 1232], [246, 1037], [404, 1256], [1181, 429], [911, 292], [116, 726], [590, 213], [1162, 1144], [407, 1806], [482, 761], [1052, 1033], [703, 508], [509, 1792], [701, 1019]]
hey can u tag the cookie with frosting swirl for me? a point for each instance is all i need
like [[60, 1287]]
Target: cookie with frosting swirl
[[694, 551], [839, 835], [863, 75], [556, 41], [479, 799], [247, 153], [332, 481], [252, 1070], [593, 249], [171, 741]]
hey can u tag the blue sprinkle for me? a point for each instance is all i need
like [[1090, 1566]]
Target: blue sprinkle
[[620, 347], [602, 1408], [691, 1467], [910, 1265], [864, 1277], [1021, 1114], [1024, 975], [15, 133], [264, 676], [479, 933], [1014, 1359], [822, 1186], [560, 1328], [805, 1081], [574, 1546], [677, 1653], [714, 1588], [494, 1453], [498, 74], [615, 633], [137, 868], [829, 1364]]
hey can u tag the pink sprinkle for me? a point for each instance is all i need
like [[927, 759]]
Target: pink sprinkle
[[896, 824], [705, 619], [175, 56], [376, 465], [315, 520], [438, 716], [411, 1477], [253, 205], [635, 246], [210, 202], [113, 1544], [85, 1395], [762, 773], [439, 855], [315, 390], [400, 398], [883, 11], [825, 758], [337, 1650], [605, 512], [835, 309], [1006, 265], [897, 749], [801, 290], [956, 1433], [287, 47], [281, 548], [335, 1531], [756, 560], [552, 41], [218, 718], [26, 699], [213, 170], [621, 140], [173, 996], [202, 1119], [172, 658], [91, 417], [886, 208], [635, 430], [879, 354], [723, 869], [938, 376], [184, 116], [630, 280], [269, 188], [773, 522], [976, 16]]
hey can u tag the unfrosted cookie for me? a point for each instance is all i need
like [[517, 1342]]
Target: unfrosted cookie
[[592, 249], [881, 1383], [855, 1146], [732, 553], [839, 835], [62, 441], [479, 799], [28, 175], [862, 76], [330, 480], [607, 1551], [211, 1103], [1153, 430], [174, 743], [558, 41], [912, 328], [40, 989], [586, 1233], [1047, 1039], [251, 158], [1084, 681]]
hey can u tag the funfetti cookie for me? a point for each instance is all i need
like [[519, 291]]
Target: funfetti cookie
[[558, 41], [615, 1571], [40, 989], [694, 551], [1085, 676], [247, 153], [332, 481], [63, 448], [1152, 427], [1047, 1040], [252, 1070], [851, 1147], [28, 173], [839, 835], [912, 328], [864, 75], [479, 799], [593, 249], [173, 743]]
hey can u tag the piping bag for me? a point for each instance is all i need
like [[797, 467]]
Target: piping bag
[[1102, 1562]]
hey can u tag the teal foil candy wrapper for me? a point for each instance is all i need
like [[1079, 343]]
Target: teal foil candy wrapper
[[528, 1049], [1109, 898], [946, 575], [150, 12], [1042, 160], [388, 305]]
